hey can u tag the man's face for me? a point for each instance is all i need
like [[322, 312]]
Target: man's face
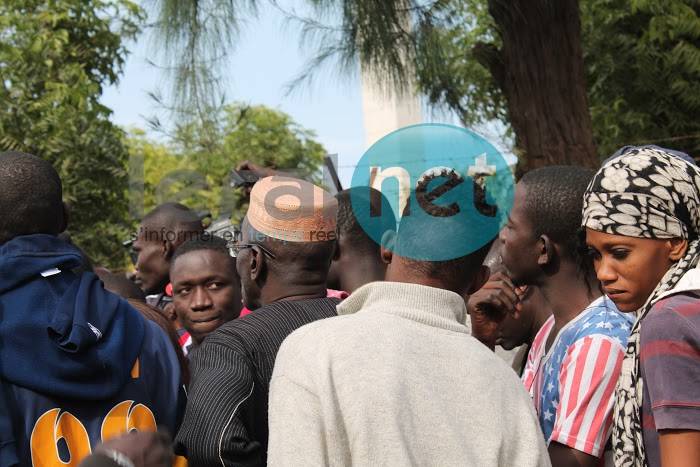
[[519, 243], [206, 292], [628, 268], [250, 292], [152, 262]]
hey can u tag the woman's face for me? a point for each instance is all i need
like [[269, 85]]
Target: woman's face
[[630, 268]]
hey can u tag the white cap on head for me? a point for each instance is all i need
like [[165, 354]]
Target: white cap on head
[[291, 209]]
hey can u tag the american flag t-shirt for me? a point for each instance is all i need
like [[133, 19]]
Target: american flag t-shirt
[[573, 384], [535, 358]]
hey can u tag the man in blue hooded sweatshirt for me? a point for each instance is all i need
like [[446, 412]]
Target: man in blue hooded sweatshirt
[[78, 364]]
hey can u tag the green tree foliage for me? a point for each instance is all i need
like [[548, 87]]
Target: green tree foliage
[[642, 62], [194, 167], [449, 71], [55, 58], [149, 162], [194, 37], [643, 72]]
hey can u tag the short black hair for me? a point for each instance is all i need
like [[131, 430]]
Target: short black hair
[[31, 197], [455, 273], [293, 258], [554, 201], [178, 223], [207, 242], [367, 200]]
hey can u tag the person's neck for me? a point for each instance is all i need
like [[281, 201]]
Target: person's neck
[[160, 288], [360, 273], [410, 278], [292, 292], [567, 293], [541, 316]]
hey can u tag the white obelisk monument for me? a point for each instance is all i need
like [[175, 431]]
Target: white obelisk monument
[[386, 110]]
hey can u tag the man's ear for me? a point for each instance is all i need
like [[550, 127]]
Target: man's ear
[[386, 249], [167, 249], [480, 278], [678, 248], [64, 218], [257, 263], [169, 311], [336, 249], [546, 251]]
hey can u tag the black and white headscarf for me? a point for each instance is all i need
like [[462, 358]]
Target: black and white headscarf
[[644, 192]]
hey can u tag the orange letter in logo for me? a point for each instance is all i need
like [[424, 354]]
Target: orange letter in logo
[[48, 430], [124, 418]]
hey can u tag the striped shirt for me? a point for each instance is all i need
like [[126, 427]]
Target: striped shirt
[[670, 369], [573, 384], [226, 417]]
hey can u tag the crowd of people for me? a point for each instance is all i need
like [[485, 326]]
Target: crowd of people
[[305, 342]]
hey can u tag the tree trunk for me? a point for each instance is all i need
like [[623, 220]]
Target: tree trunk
[[540, 70]]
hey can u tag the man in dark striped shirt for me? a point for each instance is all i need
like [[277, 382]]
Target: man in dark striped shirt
[[283, 260]]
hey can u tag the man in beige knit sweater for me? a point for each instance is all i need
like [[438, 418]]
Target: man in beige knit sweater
[[397, 379]]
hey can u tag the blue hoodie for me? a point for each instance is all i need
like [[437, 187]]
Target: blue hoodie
[[78, 363]]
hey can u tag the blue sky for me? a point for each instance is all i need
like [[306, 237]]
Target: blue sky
[[266, 58]]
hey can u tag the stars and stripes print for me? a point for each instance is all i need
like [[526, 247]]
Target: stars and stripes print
[[185, 341], [573, 384]]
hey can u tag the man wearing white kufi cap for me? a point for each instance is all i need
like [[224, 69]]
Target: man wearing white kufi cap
[[283, 259]]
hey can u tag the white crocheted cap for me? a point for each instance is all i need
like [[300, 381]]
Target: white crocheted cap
[[291, 209]]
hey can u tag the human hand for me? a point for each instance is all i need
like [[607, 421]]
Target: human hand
[[143, 448], [259, 170], [489, 305]]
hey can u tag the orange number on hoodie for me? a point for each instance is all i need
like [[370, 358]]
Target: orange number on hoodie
[[53, 426], [125, 417], [49, 430]]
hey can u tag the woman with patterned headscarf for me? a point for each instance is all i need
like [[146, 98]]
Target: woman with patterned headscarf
[[641, 215]]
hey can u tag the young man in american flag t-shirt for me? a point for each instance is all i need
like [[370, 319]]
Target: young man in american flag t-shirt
[[576, 357], [572, 383]]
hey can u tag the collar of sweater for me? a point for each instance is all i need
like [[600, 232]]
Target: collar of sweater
[[427, 305]]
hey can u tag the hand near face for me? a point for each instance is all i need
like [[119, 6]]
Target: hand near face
[[144, 449], [260, 171], [489, 306]]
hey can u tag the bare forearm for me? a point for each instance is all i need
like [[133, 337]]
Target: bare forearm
[[564, 456]]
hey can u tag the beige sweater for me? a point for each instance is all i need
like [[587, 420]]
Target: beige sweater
[[398, 381]]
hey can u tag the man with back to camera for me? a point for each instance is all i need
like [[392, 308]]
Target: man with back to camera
[[357, 259], [78, 364], [397, 379]]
